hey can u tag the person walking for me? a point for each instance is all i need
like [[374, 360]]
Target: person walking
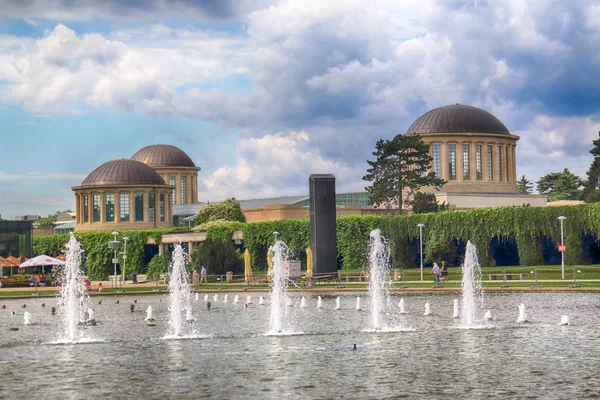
[[436, 272], [195, 277], [203, 275], [444, 272]]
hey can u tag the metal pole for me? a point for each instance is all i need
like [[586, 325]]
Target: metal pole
[[562, 244], [421, 246], [421, 249], [125, 239]]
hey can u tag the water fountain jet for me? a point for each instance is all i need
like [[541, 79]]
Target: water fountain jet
[[180, 295], [472, 290], [73, 294]]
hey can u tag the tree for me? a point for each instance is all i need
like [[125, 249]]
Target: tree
[[426, 202], [157, 266], [560, 185], [51, 219], [438, 250], [227, 210], [525, 185], [401, 163], [593, 196], [593, 174], [219, 256]]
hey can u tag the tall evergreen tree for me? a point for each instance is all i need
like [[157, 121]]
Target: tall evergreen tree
[[560, 185], [401, 163], [524, 185], [593, 174]]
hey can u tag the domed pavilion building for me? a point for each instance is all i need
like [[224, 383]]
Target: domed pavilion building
[[123, 194], [476, 154], [175, 167]]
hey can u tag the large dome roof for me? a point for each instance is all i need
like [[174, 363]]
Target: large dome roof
[[163, 155], [123, 172], [457, 118]]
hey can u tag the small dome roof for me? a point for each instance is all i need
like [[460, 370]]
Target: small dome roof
[[457, 118], [163, 155], [123, 172]]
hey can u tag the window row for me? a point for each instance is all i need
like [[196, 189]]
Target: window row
[[501, 170], [124, 207]]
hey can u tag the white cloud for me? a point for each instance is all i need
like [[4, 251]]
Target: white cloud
[[344, 72], [550, 144], [66, 73], [265, 164]]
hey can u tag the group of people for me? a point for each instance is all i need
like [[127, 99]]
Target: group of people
[[202, 277], [440, 274]]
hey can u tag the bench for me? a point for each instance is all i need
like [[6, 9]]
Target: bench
[[509, 277]]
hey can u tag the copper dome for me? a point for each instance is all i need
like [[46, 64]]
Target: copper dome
[[123, 172], [163, 155], [457, 118]]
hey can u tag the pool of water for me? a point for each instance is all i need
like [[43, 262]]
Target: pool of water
[[232, 357]]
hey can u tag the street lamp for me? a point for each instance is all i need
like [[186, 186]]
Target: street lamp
[[562, 243], [421, 246], [115, 245], [125, 239]]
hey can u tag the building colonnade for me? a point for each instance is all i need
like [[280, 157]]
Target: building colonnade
[[146, 207], [481, 162]]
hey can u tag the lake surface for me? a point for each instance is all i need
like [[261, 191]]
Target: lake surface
[[230, 356]]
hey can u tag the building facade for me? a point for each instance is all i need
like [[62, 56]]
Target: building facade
[[175, 167], [123, 194], [471, 149]]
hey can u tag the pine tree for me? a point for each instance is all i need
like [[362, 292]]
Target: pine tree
[[593, 174], [560, 185], [401, 164], [525, 185]]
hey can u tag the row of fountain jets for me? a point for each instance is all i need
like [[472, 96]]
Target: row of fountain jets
[[75, 301]]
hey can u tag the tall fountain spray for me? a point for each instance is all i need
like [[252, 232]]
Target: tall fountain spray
[[472, 291], [180, 295], [279, 313], [73, 293], [379, 266]]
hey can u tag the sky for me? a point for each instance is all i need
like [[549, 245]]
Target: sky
[[261, 94]]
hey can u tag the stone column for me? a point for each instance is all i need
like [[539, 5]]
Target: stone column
[[473, 161], [102, 208], [514, 157], [444, 160], [132, 206], [459, 162], [178, 189], [194, 188], [90, 207], [146, 202], [118, 207]]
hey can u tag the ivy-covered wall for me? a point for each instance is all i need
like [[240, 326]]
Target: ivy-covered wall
[[527, 226], [98, 257]]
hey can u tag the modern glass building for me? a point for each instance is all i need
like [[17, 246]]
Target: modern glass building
[[15, 238]]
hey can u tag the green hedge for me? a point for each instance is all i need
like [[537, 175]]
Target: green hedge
[[98, 257], [528, 226]]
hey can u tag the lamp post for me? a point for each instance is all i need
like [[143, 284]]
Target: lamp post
[[125, 239], [421, 246], [115, 245], [562, 243]]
